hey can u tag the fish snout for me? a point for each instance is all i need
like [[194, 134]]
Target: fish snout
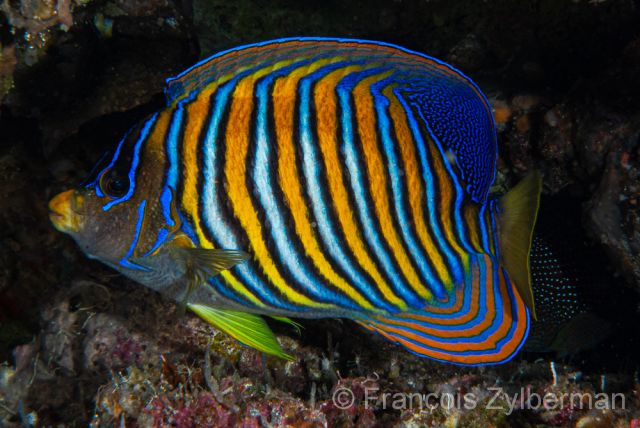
[[63, 211]]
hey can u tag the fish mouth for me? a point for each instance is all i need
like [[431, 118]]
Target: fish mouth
[[59, 221], [61, 214]]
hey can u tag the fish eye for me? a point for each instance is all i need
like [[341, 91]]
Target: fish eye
[[113, 184]]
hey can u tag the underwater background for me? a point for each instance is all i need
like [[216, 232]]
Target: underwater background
[[81, 344]]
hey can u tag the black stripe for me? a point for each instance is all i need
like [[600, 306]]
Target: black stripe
[[325, 195], [222, 202], [265, 230], [415, 258], [362, 167], [438, 188]]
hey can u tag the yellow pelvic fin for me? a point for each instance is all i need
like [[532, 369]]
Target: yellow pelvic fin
[[248, 329], [518, 212], [289, 321]]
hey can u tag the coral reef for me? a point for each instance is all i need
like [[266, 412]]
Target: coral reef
[[82, 345]]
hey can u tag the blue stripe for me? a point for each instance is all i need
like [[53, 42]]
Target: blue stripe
[[213, 216], [174, 88], [279, 230], [493, 212], [165, 200], [483, 230], [187, 229], [172, 147], [364, 212], [499, 344], [99, 191], [415, 250], [125, 260], [134, 163], [219, 285], [430, 194], [163, 234], [480, 316], [97, 176], [336, 252], [323, 39], [457, 211], [311, 158]]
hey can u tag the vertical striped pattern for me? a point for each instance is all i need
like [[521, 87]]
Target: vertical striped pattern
[[331, 163]]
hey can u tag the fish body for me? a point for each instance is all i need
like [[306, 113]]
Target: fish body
[[320, 178]]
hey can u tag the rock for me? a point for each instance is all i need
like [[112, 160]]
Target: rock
[[613, 214]]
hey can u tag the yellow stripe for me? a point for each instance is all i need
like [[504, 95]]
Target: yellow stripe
[[366, 120], [196, 114], [446, 196], [415, 185], [325, 101], [284, 93], [237, 137]]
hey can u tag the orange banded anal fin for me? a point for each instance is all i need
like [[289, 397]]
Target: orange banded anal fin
[[490, 328]]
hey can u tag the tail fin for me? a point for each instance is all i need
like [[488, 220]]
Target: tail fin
[[518, 211], [485, 323]]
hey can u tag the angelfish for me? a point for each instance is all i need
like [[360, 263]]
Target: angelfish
[[320, 178]]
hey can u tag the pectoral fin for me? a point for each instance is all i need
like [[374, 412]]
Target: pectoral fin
[[248, 329], [203, 264], [210, 262]]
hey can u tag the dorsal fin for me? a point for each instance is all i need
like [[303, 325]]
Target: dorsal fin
[[518, 212], [453, 109], [458, 118]]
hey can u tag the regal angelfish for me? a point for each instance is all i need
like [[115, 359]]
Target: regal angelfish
[[320, 178]]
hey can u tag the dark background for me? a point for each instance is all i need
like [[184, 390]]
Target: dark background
[[564, 79]]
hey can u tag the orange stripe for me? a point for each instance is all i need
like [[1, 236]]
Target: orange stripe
[[446, 195], [487, 219], [470, 214], [463, 318], [237, 145], [489, 344], [284, 99], [456, 317], [195, 117], [196, 114], [377, 173], [350, 49], [326, 108], [415, 185], [459, 296]]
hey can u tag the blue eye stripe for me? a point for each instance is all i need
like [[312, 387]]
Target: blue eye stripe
[[144, 133], [125, 262], [96, 182]]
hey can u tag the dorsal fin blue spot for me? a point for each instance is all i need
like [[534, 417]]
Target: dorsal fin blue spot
[[458, 116]]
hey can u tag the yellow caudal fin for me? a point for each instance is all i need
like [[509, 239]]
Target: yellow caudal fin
[[248, 329], [518, 212]]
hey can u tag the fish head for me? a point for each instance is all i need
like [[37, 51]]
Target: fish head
[[101, 234], [119, 213]]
